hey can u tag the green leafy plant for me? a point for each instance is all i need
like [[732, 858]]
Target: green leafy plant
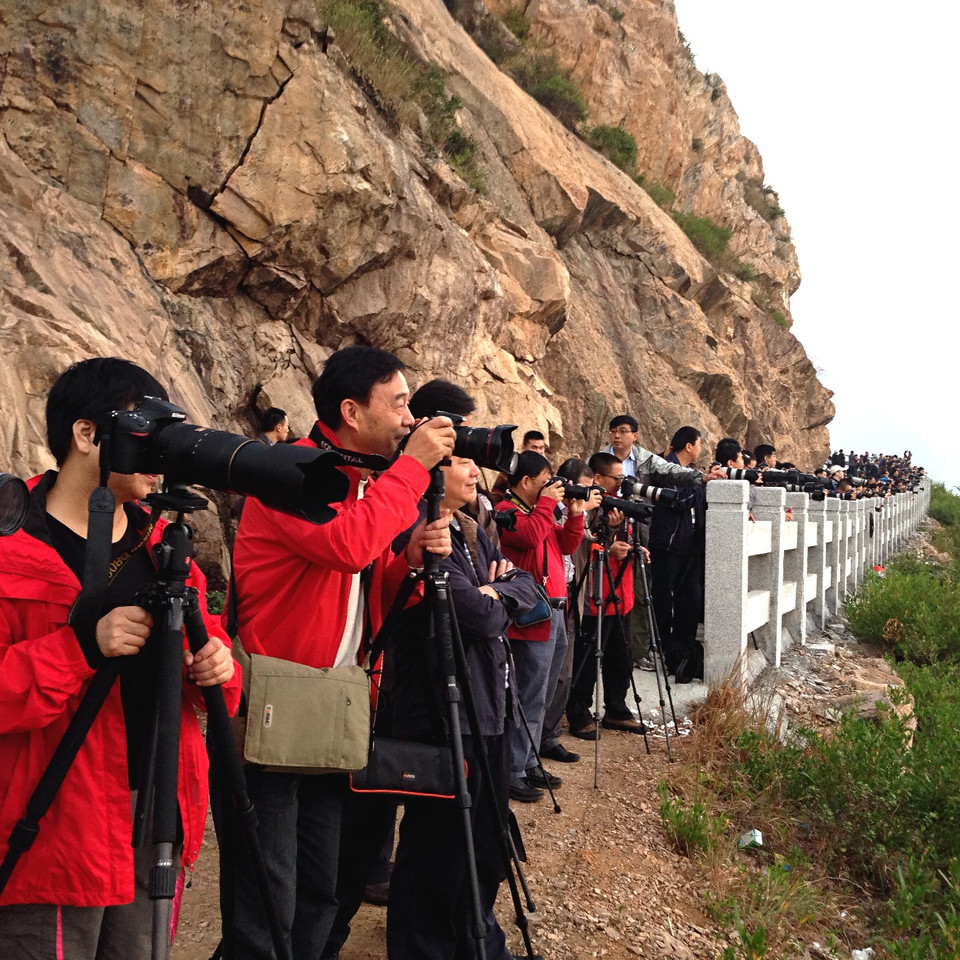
[[707, 236], [615, 143], [404, 86], [461, 152], [690, 827], [661, 195]]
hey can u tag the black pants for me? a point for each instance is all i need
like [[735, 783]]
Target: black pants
[[677, 592], [429, 914], [616, 667], [365, 830]]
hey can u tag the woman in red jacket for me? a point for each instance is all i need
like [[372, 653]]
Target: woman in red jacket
[[80, 891], [537, 544]]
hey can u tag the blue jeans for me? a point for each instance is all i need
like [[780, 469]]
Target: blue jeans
[[298, 823], [537, 665]]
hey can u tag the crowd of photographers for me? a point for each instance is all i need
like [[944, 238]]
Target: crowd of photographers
[[490, 625]]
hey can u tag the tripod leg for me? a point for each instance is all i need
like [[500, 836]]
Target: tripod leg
[[659, 661], [502, 832], [230, 770], [168, 633], [440, 633]]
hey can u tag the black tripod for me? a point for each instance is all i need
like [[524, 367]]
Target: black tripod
[[175, 606], [656, 655], [443, 634]]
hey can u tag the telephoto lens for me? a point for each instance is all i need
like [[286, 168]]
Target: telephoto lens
[[739, 473], [632, 489], [153, 438], [629, 508], [490, 447]]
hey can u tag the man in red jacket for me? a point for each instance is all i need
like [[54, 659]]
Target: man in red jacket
[[80, 891], [299, 598], [537, 544]]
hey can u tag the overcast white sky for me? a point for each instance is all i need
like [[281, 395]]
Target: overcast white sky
[[853, 107]]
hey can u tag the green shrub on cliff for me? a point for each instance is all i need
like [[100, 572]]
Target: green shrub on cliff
[[706, 235], [405, 86], [618, 146]]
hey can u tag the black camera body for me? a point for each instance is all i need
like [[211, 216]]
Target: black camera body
[[575, 491]]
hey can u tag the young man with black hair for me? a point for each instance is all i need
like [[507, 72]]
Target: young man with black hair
[[766, 455], [534, 441], [81, 890], [274, 426], [537, 545], [299, 598], [677, 548]]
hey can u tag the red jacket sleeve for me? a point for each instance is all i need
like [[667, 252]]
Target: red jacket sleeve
[[362, 530], [38, 676], [571, 533]]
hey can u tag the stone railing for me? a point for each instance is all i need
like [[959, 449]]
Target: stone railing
[[769, 581]]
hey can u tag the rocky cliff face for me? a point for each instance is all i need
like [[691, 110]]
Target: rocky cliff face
[[215, 191]]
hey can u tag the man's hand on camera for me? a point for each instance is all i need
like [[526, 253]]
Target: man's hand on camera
[[553, 490], [431, 537], [431, 441], [576, 507], [619, 549], [499, 569], [716, 472], [212, 664], [123, 631]]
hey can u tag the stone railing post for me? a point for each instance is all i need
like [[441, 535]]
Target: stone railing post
[[843, 560], [856, 545], [769, 506], [795, 571], [725, 600], [834, 596], [817, 561]]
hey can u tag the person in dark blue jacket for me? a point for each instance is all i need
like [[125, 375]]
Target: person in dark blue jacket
[[677, 547], [429, 913]]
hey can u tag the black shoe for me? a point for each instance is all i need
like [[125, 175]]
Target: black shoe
[[537, 779], [558, 752], [521, 789], [687, 671], [377, 893]]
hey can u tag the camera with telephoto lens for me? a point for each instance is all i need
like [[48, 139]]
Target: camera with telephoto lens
[[632, 489], [794, 479], [490, 447], [629, 508], [740, 473], [154, 437]]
